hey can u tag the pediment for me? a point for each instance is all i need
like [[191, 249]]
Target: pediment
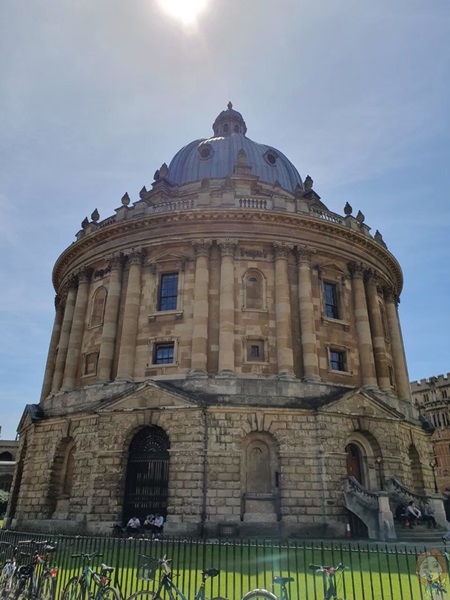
[[331, 266], [148, 396], [168, 257], [361, 403]]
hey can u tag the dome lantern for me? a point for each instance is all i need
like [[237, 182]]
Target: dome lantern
[[229, 121]]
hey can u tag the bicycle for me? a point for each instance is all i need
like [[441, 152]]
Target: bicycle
[[36, 579], [8, 554], [166, 583], [80, 586], [329, 574]]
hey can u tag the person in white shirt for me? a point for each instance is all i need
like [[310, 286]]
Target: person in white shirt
[[133, 525], [412, 513], [158, 524]]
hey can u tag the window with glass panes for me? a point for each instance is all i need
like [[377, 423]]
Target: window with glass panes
[[337, 360], [331, 300], [168, 291], [163, 353]]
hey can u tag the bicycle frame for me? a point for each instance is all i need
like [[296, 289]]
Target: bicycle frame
[[329, 573], [101, 581], [173, 590], [28, 572]]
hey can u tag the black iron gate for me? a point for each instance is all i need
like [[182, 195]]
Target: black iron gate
[[146, 487]]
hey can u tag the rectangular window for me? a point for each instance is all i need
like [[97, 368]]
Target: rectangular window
[[168, 291], [337, 360], [331, 300], [163, 354], [90, 365], [444, 393], [255, 351]]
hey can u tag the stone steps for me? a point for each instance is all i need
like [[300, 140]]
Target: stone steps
[[420, 534]]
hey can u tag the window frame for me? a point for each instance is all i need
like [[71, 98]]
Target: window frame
[[163, 346], [262, 343], [346, 356], [170, 295], [87, 373], [160, 341], [335, 305]]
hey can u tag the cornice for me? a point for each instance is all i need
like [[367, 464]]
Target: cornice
[[158, 223]]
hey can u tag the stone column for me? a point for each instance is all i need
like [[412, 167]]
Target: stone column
[[65, 334], [77, 330], [285, 355], [110, 320], [307, 320], [226, 311], [127, 351], [366, 358], [376, 326], [397, 351], [51, 358], [199, 357]]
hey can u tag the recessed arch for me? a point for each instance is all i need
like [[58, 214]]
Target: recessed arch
[[364, 459], [62, 475], [98, 307], [254, 290], [416, 474], [6, 457]]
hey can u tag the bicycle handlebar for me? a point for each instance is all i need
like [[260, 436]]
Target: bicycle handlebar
[[324, 568], [87, 556]]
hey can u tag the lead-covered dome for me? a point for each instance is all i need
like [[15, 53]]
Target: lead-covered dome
[[217, 157]]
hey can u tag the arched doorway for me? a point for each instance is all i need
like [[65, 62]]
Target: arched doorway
[[147, 481], [354, 463]]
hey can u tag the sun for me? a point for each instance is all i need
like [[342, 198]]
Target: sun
[[185, 11]]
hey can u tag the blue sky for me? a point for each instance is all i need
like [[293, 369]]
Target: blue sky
[[95, 96]]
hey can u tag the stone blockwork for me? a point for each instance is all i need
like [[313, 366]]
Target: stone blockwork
[[225, 350]]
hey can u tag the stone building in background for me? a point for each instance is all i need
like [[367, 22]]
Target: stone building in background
[[226, 351], [8, 450], [432, 398]]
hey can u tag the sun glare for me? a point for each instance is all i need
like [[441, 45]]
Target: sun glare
[[185, 11]]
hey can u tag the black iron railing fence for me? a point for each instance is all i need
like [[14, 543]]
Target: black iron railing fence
[[375, 571]]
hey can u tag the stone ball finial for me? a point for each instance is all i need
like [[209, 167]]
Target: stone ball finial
[[360, 217], [348, 209], [95, 216], [230, 105], [143, 193], [84, 222], [126, 199], [308, 183], [378, 237]]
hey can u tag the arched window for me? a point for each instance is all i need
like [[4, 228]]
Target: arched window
[[6, 456], [225, 128], [254, 290], [98, 307]]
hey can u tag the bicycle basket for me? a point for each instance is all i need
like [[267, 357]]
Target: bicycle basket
[[147, 568]]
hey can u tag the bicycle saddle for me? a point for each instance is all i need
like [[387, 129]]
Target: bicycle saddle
[[283, 580], [212, 572], [106, 568]]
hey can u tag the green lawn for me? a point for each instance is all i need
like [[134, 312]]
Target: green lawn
[[373, 575]]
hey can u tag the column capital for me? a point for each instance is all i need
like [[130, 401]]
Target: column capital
[[371, 276], [84, 275], [356, 269], [281, 249], [201, 247], [136, 256], [304, 253], [116, 261], [227, 246], [390, 295], [72, 282]]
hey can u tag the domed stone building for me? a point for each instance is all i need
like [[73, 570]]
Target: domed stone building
[[226, 351]]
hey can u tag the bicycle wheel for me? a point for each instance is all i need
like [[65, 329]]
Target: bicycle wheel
[[74, 590], [144, 595], [47, 588], [259, 594], [6, 579], [22, 590], [110, 593]]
